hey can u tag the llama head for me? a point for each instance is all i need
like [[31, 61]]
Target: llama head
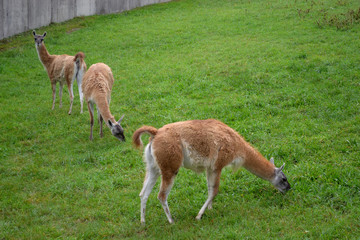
[[117, 130], [280, 181], [38, 38]]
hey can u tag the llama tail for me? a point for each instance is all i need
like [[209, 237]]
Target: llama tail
[[80, 69], [137, 134], [79, 59]]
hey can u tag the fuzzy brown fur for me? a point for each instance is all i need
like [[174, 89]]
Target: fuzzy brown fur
[[211, 139], [61, 68], [200, 145], [96, 86]]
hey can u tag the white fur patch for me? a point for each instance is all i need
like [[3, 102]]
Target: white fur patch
[[195, 161], [149, 157], [62, 73], [237, 163], [75, 72], [37, 50]]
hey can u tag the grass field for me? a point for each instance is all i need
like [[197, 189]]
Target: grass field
[[284, 74]]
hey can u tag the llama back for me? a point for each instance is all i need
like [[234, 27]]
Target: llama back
[[62, 67], [201, 143], [98, 79], [203, 136]]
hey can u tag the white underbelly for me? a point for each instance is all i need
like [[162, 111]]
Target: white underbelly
[[195, 161], [196, 165], [199, 163]]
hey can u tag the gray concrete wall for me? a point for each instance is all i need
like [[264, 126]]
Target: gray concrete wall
[[18, 16], [85, 7], [134, 3], [15, 19], [1, 19], [39, 13], [62, 10]]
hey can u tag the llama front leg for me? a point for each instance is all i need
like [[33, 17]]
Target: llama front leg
[[91, 112], [53, 87], [100, 120], [60, 94], [71, 93], [210, 190], [213, 181]]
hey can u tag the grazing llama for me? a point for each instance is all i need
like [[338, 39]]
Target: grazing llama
[[96, 86], [199, 145], [62, 69]]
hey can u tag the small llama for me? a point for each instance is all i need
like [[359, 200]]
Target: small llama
[[62, 69], [97, 85]]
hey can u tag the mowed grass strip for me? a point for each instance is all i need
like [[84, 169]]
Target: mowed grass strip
[[284, 74]]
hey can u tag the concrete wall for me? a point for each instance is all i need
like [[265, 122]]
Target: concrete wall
[[15, 20], [62, 10], [1, 19], [18, 16], [39, 13], [85, 7]]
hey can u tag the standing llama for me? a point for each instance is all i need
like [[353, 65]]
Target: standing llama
[[61, 68], [96, 86], [199, 145]]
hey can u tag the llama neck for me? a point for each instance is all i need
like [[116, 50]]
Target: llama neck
[[104, 109], [44, 56], [258, 165]]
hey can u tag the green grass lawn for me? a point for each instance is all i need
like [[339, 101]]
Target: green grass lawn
[[284, 74]]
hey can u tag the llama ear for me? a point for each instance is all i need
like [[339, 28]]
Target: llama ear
[[44, 34], [110, 123], [282, 167], [272, 160], [120, 119], [34, 33]]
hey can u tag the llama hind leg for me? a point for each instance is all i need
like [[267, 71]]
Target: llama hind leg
[[60, 94], [152, 175], [79, 83], [166, 185], [168, 172]]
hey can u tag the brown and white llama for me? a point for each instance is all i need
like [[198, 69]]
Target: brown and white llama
[[96, 86], [61, 68], [199, 145]]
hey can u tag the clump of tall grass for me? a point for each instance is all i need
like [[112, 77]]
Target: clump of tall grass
[[341, 21]]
